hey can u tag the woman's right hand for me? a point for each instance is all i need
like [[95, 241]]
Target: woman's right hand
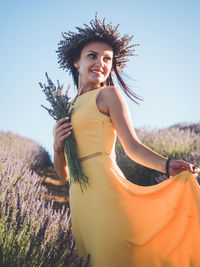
[[62, 132]]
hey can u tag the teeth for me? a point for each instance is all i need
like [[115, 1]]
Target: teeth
[[96, 71]]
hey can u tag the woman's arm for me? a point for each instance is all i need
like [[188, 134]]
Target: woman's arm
[[120, 116], [62, 130], [60, 165]]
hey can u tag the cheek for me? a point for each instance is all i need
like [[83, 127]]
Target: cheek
[[109, 68], [84, 67]]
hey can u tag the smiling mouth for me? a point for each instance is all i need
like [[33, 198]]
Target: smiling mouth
[[97, 72]]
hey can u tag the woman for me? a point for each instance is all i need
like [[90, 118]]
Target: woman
[[119, 223]]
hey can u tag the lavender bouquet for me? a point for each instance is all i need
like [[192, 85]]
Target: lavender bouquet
[[61, 107]]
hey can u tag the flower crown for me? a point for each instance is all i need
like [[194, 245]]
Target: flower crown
[[69, 49]]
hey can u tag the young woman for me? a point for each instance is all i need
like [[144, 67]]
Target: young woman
[[118, 223]]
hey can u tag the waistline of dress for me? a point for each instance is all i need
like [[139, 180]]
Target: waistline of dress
[[93, 155]]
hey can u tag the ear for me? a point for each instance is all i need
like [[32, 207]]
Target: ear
[[76, 64]]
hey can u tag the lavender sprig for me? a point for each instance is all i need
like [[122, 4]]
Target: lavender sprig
[[61, 107]]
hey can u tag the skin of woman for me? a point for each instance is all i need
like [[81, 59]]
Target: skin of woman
[[94, 66]]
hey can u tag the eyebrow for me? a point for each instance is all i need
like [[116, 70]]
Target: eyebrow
[[93, 51], [96, 52]]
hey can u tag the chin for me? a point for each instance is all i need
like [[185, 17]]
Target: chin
[[97, 81]]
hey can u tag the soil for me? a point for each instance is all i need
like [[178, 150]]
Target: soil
[[58, 189]]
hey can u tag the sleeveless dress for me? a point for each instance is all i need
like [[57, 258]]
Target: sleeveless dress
[[121, 224]]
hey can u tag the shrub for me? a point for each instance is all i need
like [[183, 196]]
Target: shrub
[[24, 149], [175, 142], [195, 127], [32, 233]]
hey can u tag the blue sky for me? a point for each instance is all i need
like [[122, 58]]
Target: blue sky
[[166, 70]]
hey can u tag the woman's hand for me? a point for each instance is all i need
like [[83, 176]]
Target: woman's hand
[[62, 132], [178, 166]]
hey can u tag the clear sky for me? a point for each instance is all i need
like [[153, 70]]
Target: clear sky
[[166, 70]]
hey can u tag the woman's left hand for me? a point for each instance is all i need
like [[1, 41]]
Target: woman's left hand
[[178, 166]]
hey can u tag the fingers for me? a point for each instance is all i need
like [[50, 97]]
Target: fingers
[[64, 134], [62, 131], [62, 124], [194, 169], [61, 121], [65, 127]]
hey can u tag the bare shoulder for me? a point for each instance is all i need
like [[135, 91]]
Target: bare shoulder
[[111, 94], [110, 98], [111, 91]]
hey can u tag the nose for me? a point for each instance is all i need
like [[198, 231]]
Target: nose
[[99, 62]]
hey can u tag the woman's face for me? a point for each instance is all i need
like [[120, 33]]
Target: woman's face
[[95, 63]]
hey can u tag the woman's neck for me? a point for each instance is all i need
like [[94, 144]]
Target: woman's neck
[[83, 89]]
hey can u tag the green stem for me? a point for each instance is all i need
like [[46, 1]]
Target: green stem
[[76, 173]]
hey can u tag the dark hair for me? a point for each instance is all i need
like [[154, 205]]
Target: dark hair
[[70, 48]]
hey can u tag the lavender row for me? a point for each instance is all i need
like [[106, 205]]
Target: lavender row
[[32, 233]]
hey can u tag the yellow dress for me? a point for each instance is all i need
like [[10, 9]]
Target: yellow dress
[[121, 224]]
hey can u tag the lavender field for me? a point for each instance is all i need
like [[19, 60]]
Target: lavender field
[[181, 141], [32, 233]]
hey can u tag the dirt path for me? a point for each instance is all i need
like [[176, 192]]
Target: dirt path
[[58, 190]]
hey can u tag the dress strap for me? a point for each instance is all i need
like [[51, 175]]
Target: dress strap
[[98, 94]]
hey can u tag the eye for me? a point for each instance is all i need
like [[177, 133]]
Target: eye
[[107, 58], [92, 55]]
